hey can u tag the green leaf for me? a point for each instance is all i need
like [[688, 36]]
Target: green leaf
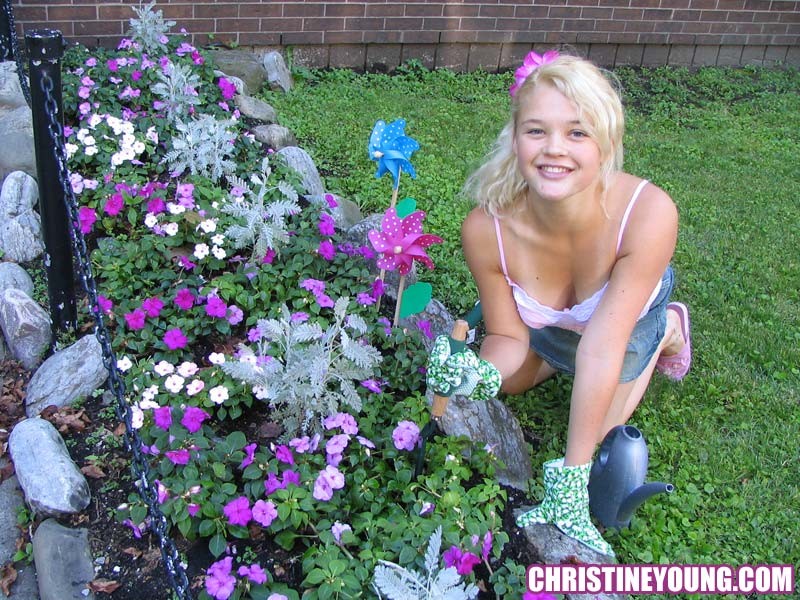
[[217, 545], [316, 576], [415, 298], [138, 514]]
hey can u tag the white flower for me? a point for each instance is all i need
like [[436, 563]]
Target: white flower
[[90, 150], [164, 368], [218, 239], [248, 359], [174, 383], [187, 369], [82, 135], [171, 229], [200, 251], [138, 147], [260, 392], [94, 121], [150, 392], [71, 149], [209, 226], [137, 417], [117, 159], [124, 363], [216, 358], [218, 394], [195, 386], [218, 252], [175, 209], [88, 140], [148, 404], [150, 220], [152, 134]]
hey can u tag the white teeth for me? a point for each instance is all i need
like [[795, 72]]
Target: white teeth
[[551, 169]]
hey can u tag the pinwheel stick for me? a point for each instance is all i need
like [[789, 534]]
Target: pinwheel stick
[[400, 287], [395, 190]]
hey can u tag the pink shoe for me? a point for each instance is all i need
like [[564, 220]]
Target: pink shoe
[[677, 365]]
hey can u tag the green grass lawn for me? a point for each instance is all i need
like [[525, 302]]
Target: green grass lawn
[[724, 144]]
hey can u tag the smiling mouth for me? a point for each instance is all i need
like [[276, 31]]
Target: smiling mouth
[[556, 170]]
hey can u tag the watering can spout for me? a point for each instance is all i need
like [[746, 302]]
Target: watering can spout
[[635, 499]]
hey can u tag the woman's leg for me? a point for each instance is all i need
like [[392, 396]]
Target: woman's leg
[[628, 395], [532, 372]]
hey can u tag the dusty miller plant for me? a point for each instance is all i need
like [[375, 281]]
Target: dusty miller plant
[[399, 583], [304, 372], [150, 28], [203, 146], [177, 89], [262, 211]]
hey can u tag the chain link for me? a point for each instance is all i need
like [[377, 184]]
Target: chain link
[[133, 443]]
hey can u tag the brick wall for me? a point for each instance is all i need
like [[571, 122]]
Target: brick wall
[[457, 34]]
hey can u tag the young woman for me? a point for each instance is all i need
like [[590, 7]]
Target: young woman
[[571, 259]]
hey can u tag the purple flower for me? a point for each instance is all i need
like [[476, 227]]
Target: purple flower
[[112, 64], [192, 509], [344, 420], [178, 457], [174, 339], [324, 301], [328, 480], [162, 417], [284, 454], [486, 548], [152, 307], [425, 327], [184, 299], [326, 250], [365, 299], [269, 257], [427, 508], [272, 484], [464, 562], [235, 315], [377, 288], [331, 200], [326, 224], [87, 218], [193, 418], [156, 206], [290, 478], [238, 511], [227, 88], [372, 385], [337, 444], [216, 307], [105, 304], [114, 205], [315, 286], [135, 320], [387, 325], [162, 493], [337, 529], [219, 581], [405, 435], [254, 573], [137, 532], [264, 513], [365, 442], [250, 455], [299, 317]]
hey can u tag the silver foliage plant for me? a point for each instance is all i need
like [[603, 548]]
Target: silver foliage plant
[[177, 90], [394, 582], [150, 29], [304, 372], [262, 211], [203, 146]]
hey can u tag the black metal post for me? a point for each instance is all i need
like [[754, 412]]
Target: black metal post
[[6, 31], [45, 49]]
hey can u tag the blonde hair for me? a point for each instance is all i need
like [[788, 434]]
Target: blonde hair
[[497, 184]]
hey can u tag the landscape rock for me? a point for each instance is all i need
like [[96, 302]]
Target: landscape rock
[[63, 562], [274, 136], [299, 160], [52, 484], [26, 327], [492, 422], [238, 83], [17, 152], [67, 376], [245, 65], [279, 78], [25, 587], [20, 224], [11, 94], [346, 212], [255, 109], [12, 276], [438, 318]]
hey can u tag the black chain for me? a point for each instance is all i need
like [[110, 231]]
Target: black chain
[[23, 79], [139, 465]]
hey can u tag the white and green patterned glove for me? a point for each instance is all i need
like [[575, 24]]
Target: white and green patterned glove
[[462, 373]]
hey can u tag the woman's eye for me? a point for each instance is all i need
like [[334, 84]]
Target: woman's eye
[[578, 133], [535, 131]]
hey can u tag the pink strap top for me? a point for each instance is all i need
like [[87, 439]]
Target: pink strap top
[[537, 315]]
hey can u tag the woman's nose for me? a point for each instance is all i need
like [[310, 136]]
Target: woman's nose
[[554, 144]]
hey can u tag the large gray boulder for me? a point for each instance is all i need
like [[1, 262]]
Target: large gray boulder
[[63, 561], [26, 327], [11, 500], [299, 160], [255, 109], [12, 276], [20, 224], [247, 66], [274, 136], [279, 78], [17, 151]]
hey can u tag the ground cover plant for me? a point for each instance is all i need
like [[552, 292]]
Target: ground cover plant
[[205, 299]]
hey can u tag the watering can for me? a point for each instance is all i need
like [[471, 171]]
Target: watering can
[[616, 481]]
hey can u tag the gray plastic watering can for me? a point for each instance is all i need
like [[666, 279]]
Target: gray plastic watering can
[[616, 481]]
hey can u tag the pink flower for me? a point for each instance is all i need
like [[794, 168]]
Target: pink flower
[[87, 218], [328, 480], [272, 484], [529, 65], [135, 320], [238, 511], [235, 315], [192, 509], [193, 418], [184, 299], [216, 307], [269, 257], [284, 454], [254, 573], [405, 435], [326, 224], [290, 477], [464, 562], [372, 385], [219, 581], [326, 250], [324, 301], [162, 417], [152, 307], [331, 200], [174, 339], [114, 205], [178, 457], [337, 529], [264, 513], [425, 327], [315, 286], [156, 206], [365, 299], [400, 241], [249, 455], [227, 88], [105, 304], [341, 419]]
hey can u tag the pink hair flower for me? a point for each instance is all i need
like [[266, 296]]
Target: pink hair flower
[[401, 241], [529, 65]]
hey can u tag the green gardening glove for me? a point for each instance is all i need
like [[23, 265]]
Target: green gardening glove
[[462, 373]]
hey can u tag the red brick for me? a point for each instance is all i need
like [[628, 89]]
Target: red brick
[[560, 37], [596, 13], [703, 4], [368, 24], [433, 9], [730, 4], [653, 38], [273, 9], [458, 37], [382, 37], [237, 25], [564, 12], [260, 38], [98, 28], [578, 25], [512, 25], [337, 9], [281, 25], [72, 13], [440, 23], [477, 24], [343, 37], [420, 37], [592, 37], [323, 24], [461, 10], [303, 9], [530, 11], [216, 11], [628, 14], [385, 10], [681, 38], [291, 38], [489, 10]]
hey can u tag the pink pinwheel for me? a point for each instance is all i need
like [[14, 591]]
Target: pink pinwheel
[[401, 241]]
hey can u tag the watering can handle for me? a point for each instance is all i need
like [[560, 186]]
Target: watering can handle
[[457, 337]]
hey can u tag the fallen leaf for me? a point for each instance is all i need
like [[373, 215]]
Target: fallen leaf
[[104, 586], [8, 575], [93, 471], [131, 551], [120, 430]]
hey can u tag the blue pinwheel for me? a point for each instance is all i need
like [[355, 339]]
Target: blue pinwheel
[[391, 148]]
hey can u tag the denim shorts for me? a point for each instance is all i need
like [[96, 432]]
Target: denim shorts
[[558, 346]]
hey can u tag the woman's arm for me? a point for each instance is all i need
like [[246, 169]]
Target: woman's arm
[[647, 248]]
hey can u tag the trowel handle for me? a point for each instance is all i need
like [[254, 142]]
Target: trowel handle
[[457, 338]]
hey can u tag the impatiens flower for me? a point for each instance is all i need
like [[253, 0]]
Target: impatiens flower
[[135, 320], [105, 304], [328, 480], [249, 455], [326, 224], [299, 317], [184, 299], [114, 205], [343, 420], [337, 444], [277, 597], [124, 363], [264, 513], [238, 511], [427, 508], [290, 477], [193, 418], [365, 299], [195, 386], [326, 250], [284, 455], [162, 493], [424, 326], [406, 435], [216, 307], [254, 573], [174, 339], [162, 417], [391, 148], [218, 394], [174, 383], [187, 369], [372, 385], [227, 88], [152, 307], [272, 484], [164, 368], [219, 581], [235, 315], [464, 562], [337, 529], [178, 457], [137, 532], [400, 241]]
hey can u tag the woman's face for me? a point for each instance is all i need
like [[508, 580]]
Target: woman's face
[[555, 154]]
